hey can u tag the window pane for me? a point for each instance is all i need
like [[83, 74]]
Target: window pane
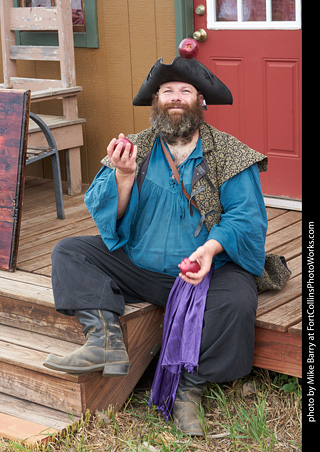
[[77, 12], [226, 10], [283, 10], [78, 19], [43, 3], [254, 10]]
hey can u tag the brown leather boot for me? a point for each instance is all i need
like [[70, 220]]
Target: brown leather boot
[[104, 348], [186, 413]]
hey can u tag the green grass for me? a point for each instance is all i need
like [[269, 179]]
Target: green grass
[[247, 425]]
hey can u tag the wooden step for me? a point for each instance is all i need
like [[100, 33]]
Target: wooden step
[[35, 413], [23, 375], [14, 428], [30, 329]]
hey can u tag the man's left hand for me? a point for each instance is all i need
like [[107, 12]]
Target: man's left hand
[[204, 255]]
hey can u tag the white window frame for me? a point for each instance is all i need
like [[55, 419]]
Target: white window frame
[[268, 24]]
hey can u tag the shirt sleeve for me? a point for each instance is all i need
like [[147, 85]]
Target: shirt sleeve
[[243, 226], [101, 200]]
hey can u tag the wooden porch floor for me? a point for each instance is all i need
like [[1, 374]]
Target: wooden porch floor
[[26, 294]]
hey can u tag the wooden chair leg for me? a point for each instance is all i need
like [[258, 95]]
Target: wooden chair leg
[[73, 171]]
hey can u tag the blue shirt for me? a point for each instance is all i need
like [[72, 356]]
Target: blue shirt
[[157, 230]]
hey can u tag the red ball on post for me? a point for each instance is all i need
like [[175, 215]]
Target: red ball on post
[[188, 48]]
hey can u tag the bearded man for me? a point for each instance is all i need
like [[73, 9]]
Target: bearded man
[[151, 213]]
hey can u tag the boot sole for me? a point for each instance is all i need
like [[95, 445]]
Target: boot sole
[[73, 370], [109, 370]]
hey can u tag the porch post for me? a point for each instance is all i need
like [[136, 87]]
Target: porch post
[[184, 20]]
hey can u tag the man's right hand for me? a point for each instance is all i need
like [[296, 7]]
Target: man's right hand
[[122, 158]]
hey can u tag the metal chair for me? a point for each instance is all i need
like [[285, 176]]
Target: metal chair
[[37, 153]]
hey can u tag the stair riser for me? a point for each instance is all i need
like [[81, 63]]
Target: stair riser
[[40, 388], [22, 374], [40, 319]]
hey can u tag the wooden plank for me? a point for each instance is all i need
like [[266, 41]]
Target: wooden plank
[[47, 204], [282, 221], [54, 122], [35, 84], [35, 280], [281, 318], [45, 270], [280, 352], [24, 358], [14, 428], [33, 19], [295, 265], [48, 223], [296, 330], [283, 236], [35, 341], [271, 299], [80, 227], [65, 37], [40, 318], [14, 115], [33, 412], [272, 213], [26, 292], [73, 160], [289, 250], [45, 247], [70, 107], [66, 137], [47, 53], [43, 95], [54, 391], [31, 260]]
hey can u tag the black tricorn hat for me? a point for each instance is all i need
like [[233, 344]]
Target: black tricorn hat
[[183, 70]]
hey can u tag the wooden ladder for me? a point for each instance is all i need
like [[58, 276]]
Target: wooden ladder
[[37, 401], [66, 128]]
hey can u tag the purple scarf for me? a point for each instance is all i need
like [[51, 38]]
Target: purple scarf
[[181, 340]]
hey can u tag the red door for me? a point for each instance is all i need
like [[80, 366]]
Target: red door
[[259, 59]]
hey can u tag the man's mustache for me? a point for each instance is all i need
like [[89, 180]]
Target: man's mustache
[[175, 105]]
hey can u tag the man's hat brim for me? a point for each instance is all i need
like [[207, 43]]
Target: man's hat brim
[[182, 70]]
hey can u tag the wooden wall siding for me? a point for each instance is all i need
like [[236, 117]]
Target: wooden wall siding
[[132, 36]]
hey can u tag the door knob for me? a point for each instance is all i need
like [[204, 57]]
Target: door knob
[[200, 35], [200, 10]]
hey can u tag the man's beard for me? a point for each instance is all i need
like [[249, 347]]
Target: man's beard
[[176, 127]]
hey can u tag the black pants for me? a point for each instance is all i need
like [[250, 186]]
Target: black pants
[[86, 275]]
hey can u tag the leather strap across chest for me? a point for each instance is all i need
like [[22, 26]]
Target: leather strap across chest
[[177, 177]]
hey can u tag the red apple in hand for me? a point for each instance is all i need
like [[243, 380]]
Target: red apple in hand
[[188, 48], [124, 141], [188, 266]]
